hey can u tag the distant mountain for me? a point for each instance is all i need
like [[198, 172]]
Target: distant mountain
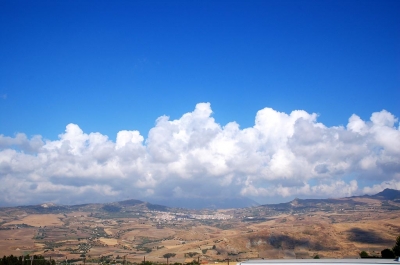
[[208, 203], [127, 206], [298, 205], [387, 194], [312, 204], [132, 206]]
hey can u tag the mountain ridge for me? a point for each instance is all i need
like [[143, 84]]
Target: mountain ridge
[[386, 194]]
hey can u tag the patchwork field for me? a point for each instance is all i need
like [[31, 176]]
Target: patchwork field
[[298, 229]]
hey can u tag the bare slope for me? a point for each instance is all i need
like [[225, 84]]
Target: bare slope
[[335, 228]]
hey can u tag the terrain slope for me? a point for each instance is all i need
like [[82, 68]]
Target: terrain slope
[[137, 230]]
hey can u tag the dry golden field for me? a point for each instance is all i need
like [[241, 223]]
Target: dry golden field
[[39, 220], [330, 231]]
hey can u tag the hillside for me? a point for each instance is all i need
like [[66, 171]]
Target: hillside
[[126, 207], [301, 228], [388, 194]]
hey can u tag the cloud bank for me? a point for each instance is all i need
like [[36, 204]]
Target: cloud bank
[[280, 157]]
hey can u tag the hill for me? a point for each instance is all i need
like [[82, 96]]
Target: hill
[[387, 194], [301, 228], [114, 208]]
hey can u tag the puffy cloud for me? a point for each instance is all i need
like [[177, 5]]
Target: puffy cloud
[[281, 156], [21, 142]]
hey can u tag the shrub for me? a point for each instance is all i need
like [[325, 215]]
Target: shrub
[[387, 254]]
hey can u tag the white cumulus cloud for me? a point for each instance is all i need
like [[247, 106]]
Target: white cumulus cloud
[[283, 155]]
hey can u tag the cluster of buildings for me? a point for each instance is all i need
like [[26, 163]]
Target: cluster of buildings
[[166, 216]]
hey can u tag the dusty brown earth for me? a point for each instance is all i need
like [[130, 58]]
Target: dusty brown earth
[[39, 220], [334, 233], [17, 241]]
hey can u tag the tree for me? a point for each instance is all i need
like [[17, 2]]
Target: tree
[[364, 254], [316, 256], [14, 260], [169, 255], [191, 254], [387, 254], [396, 248]]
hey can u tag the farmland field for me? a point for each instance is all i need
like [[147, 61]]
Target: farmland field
[[299, 229]]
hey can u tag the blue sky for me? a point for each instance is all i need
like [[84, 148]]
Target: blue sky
[[109, 66]]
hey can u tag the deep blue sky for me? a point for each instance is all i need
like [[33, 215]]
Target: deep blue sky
[[113, 65], [107, 66]]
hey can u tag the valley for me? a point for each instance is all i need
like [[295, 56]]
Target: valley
[[135, 231]]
